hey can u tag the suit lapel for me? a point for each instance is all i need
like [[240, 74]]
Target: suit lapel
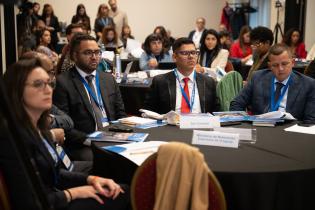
[[171, 83], [80, 88], [104, 92], [201, 91], [267, 93], [293, 92]]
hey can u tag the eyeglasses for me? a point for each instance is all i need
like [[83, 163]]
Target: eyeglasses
[[41, 84], [283, 64], [188, 53], [90, 53]]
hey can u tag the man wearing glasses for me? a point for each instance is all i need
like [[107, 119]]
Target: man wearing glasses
[[261, 40], [279, 88], [91, 98], [183, 89]]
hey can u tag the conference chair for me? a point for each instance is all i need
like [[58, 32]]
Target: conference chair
[[229, 66], [144, 182], [4, 197], [310, 69], [229, 87]]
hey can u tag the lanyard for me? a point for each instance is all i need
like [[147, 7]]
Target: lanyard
[[98, 100], [275, 104], [192, 99]]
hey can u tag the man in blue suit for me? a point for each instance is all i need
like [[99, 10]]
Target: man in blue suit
[[279, 88]]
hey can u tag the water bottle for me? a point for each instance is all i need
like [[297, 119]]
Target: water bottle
[[103, 64], [118, 68]]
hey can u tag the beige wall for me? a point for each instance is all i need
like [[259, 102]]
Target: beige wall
[[309, 26], [177, 15]]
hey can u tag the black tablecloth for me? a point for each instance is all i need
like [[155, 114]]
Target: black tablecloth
[[277, 172]]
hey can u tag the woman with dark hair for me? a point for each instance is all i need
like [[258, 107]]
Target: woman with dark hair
[[154, 53], [163, 33], [241, 48], [30, 88], [43, 41], [82, 18], [102, 20], [294, 40], [126, 34], [52, 24], [212, 55], [110, 38]]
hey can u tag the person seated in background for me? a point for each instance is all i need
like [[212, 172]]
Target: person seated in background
[[110, 38], [241, 49], [225, 39], [82, 18], [102, 20], [52, 24], [65, 62], [91, 98], [154, 53], [43, 41], [196, 34], [261, 39], [169, 35], [27, 81], [279, 88], [126, 34], [293, 38], [211, 53], [166, 41], [183, 89]]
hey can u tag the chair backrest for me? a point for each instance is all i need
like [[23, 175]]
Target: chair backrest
[[144, 184], [229, 87], [229, 66], [4, 197], [310, 69]]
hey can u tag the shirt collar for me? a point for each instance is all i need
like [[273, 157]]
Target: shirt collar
[[284, 82], [84, 74], [181, 76]]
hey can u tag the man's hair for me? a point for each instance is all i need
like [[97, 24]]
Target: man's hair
[[76, 41], [181, 41], [72, 26], [261, 34], [278, 49]]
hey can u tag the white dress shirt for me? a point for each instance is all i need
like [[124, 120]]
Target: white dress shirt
[[196, 106]]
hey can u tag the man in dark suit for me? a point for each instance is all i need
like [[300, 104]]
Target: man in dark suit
[[279, 89], [182, 90], [196, 34], [91, 98]]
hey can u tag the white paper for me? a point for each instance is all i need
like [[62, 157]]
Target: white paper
[[276, 115], [301, 129], [109, 55], [136, 120], [245, 133], [139, 152], [214, 138], [198, 121], [134, 47], [156, 72], [151, 114]]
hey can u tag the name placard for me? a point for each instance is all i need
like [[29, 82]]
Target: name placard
[[198, 121], [214, 138]]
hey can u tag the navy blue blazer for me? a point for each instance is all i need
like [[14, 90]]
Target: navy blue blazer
[[300, 101], [162, 95]]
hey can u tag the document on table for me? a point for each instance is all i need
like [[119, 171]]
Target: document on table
[[136, 152], [301, 129]]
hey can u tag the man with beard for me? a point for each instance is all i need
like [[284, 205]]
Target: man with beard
[[91, 98]]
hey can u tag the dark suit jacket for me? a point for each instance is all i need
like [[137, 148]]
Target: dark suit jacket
[[162, 95], [300, 101], [54, 179], [191, 34], [71, 97]]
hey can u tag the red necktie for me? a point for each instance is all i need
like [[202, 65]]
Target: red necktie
[[184, 106]]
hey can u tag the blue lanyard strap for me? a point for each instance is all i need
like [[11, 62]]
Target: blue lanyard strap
[[192, 99], [274, 105], [98, 100]]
